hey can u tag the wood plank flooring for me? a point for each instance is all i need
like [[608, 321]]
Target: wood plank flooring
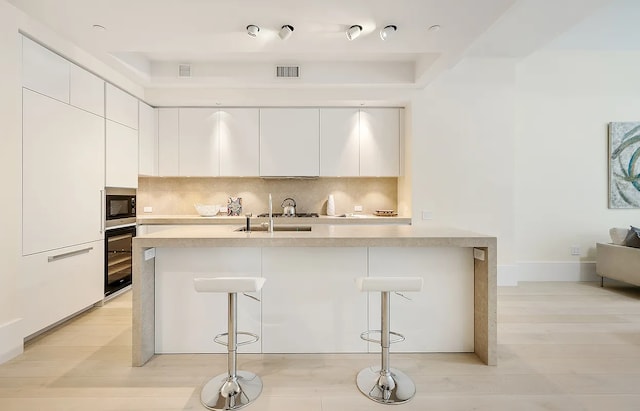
[[562, 346]]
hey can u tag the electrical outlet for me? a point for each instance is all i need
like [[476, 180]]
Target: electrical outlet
[[426, 215], [148, 209], [357, 208], [575, 250]]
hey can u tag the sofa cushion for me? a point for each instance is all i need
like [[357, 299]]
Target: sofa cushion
[[618, 235], [633, 237]]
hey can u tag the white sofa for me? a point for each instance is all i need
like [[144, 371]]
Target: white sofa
[[617, 261]]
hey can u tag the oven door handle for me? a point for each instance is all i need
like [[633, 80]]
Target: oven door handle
[[69, 254], [103, 210]]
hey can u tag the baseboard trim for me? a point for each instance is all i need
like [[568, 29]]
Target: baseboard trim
[[509, 275], [11, 341]]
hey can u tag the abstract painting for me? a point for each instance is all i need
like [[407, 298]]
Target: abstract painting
[[624, 165]]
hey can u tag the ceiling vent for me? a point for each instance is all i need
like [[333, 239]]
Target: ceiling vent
[[288, 71], [184, 70]]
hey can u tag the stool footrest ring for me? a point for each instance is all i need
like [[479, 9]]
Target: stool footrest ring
[[365, 336], [218, 338]]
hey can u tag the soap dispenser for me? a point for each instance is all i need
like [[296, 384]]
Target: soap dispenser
[[331, 206]]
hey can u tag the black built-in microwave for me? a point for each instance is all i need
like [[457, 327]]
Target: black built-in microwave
[[120, 206]]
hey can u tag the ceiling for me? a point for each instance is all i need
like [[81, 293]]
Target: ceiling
[[146, 40]]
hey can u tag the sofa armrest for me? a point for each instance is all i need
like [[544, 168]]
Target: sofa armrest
[[618, 262]]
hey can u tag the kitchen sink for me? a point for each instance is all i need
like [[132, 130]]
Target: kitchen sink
[[278, 228]]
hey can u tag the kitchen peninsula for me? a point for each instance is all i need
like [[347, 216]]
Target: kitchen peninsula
[[309, 303]]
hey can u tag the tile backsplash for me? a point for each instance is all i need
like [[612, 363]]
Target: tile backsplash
[[177, 195]]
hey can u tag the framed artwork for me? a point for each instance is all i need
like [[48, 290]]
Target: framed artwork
[[624, 165]]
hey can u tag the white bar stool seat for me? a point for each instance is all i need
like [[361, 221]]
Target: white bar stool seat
[[234, 389], [384, 384]]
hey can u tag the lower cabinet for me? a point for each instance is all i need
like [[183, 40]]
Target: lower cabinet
[[59, 283]]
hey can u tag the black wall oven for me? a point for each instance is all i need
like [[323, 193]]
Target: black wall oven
[[118, 259], [120, 206]]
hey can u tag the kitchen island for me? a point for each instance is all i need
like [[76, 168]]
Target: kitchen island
[[311, 272]]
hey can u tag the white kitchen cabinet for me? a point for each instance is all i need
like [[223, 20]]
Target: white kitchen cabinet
[[199, 153], [187, 321], [57, 284], [44, 71], [310, 303], [62, 174], [339, 142], [121, 107], [239, 133], [122, 156], [168, 142], [289, 142], [380, 142], [147, 140], [86, 90]]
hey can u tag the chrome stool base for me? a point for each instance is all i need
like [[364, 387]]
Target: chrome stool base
[[225, 393], [394, 387]]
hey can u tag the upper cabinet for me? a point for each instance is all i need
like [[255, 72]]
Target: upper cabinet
[[360, 142], [44, 72], [380, 142], [147, 140], [121, 156], [121, 107], [168, 143], [86, 90], [239, 130], [289, 142], [199, 153]]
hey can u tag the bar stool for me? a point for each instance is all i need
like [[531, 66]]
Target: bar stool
[[384, 384], [234, 389]]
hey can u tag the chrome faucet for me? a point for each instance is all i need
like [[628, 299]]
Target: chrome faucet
[[270, 214]]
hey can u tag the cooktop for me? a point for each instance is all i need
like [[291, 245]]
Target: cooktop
[[290, 216]]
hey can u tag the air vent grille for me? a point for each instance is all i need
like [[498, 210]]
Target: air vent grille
[[184, 70], [288, 71]]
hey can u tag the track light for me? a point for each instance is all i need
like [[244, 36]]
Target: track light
[[285, 31], [354, 31], [387, 31], [252, 30]]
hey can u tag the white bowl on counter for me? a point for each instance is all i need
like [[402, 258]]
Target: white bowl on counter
[[207, 210]]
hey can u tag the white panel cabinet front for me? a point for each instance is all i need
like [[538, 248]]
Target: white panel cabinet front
[[148, 140], [310, 302], [122, 156], [187, 321], [44, 71], [168, 142], [289, 142], [121, 107], [239, 142], [380, 142], [87, 91], [199, 142], [63, 174], [339, 142], [60, 283]]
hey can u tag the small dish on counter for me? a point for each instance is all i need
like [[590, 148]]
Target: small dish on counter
[[385, 213], [207, 210]]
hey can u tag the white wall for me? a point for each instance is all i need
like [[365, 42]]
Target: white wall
[[565, 101], [463, 151]]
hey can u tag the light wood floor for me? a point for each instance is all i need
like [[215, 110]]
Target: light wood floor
[[562, 346]]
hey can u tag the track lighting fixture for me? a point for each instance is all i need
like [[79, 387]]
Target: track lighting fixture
[[285, 31], [354, 31], [388, 31], [252, 30]]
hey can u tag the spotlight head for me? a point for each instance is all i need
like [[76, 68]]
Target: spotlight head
[[252, 30], [387, 31], [354, 31], [285, 31]]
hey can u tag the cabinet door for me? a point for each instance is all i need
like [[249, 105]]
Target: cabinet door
[[44, 71], [199, 143], [239, 130], [290, 142], [87, 90], [62, 174], [380, 142], [168, 143], [121, 107], [122, 156], [339, 142], [148, 141], [60, 283]]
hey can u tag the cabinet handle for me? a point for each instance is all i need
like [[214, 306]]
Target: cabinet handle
[[102, 210], [69, 254]]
